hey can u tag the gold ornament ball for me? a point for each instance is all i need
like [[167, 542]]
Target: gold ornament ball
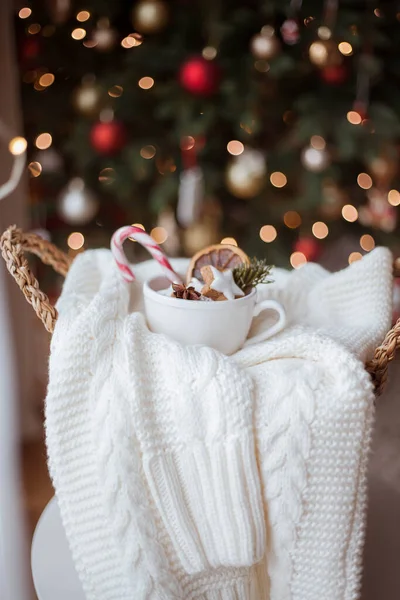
[[246, 174], [150, 16], [264, 46], [325, 53], [87, 99]]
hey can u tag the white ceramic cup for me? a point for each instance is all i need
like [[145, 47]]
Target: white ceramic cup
[[222, 325]]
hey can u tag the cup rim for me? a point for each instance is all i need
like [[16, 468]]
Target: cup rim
[[148, 292]]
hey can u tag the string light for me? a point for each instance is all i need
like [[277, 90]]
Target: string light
[[140, 227], [345, 48], [82, 16], [75, 240], [34, 28], [349, 213], [209, 53], [278, 179], [78, 34], [25, 12], [394, 198], [159, 235], [292, 219], [235, 147], [364, 181], [35, 168], [43, 141], [46, 80], [116, 91], [354, 117], [354, 256], [268, 233], [317, 142], [17, 146], [297, 259], [229, 240], [146, 83], [148, 152], [320, 230], [367, 242]]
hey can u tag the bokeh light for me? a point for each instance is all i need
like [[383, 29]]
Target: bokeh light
[[394, 197], [235, 147], [75, 240], [25, 12], [354, 256], [43, 141], [278, 179], [159, 235], [320, 230], [345, 48], [46, 79], [268, 233], [82, 16], [354, 117], [35, 168], [317, 142], [349, 213], [146, 83], [148, 152], [292, 219], [367, 242], [229, 240], [364, 181], [17, 145], [209, 53], [297, 259]]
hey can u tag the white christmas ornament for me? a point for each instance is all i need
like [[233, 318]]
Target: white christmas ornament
[[224, 283], [314, 160], [77, 206]]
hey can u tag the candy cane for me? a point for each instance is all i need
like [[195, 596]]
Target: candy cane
[[145, 240]]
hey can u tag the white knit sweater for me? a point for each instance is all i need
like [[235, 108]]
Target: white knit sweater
[[184, 474]]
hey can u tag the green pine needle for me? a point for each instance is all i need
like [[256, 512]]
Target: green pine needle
[[248, 276]]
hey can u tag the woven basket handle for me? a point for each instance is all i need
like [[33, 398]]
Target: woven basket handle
[[14, 243]]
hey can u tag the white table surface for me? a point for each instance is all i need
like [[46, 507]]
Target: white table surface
[[53, 571]]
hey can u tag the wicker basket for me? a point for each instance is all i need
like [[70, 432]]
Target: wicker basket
[[14, 243]]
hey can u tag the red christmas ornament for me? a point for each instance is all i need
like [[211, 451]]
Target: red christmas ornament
[[108, 138], [308, 246], [334, 74], [199, 76]]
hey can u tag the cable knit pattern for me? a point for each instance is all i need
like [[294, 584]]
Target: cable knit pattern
[[184, 474]]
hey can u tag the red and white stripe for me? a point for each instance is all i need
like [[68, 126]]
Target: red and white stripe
[[145, 240]]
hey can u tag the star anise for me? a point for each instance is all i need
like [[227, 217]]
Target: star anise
[[185, 293]]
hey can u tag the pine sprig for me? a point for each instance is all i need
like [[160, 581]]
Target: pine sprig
[[248, 276]]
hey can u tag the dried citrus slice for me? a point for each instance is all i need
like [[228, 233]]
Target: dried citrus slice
[[221, 256]]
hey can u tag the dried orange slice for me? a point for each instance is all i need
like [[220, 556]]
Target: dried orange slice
[[221, 256]]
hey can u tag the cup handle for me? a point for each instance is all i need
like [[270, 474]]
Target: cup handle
[[264, 305]]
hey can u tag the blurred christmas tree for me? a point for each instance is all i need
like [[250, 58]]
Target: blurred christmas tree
[[273, 123]]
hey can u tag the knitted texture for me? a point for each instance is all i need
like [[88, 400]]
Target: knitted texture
[[184, 474]]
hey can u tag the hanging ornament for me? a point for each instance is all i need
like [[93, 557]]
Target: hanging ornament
[[190, 197], [378, 212], [108, 137], [104, 36], [206, 230], [76, 205], [87, 99], [150, 16], [325, 53], [335, 74], [315, 160], [290, 32], [309, 247], [265, 45], [246, 174], [199, 76]]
